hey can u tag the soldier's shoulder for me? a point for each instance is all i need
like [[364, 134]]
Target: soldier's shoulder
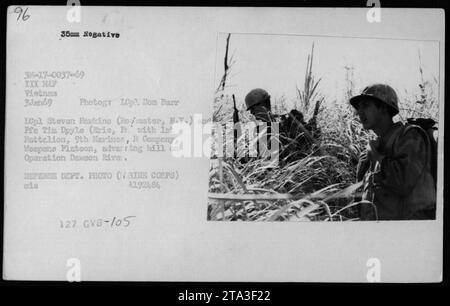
[[414, 133], [412, 130]]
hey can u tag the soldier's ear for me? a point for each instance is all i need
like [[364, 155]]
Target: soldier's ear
[[387, 110]]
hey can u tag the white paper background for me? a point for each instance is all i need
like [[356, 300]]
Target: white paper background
[[171, 53]]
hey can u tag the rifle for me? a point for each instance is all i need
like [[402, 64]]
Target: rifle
[[235, 111], [236, 133]]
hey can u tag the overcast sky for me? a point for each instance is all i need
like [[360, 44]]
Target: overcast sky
[[278, 62]]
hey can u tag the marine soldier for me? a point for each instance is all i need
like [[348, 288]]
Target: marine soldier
[[296, 136], [395, 168]]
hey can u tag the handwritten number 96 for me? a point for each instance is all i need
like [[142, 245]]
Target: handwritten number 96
[[21, 13]]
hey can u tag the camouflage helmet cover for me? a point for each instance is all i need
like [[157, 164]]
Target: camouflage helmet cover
[[256, 96], [380, 92]]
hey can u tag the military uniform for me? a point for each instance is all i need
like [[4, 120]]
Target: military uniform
[[293, 143], [399, 183]]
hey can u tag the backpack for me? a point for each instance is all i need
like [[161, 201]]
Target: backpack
[[427, 126]]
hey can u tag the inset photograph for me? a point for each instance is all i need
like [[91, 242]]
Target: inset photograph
[[319, 128]]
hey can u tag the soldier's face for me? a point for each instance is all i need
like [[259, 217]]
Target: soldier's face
[[369, 114]]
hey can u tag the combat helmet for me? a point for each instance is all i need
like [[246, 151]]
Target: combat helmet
[[380, 92], [256, 96]]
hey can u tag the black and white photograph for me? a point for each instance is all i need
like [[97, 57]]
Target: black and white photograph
[[356, 129]]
